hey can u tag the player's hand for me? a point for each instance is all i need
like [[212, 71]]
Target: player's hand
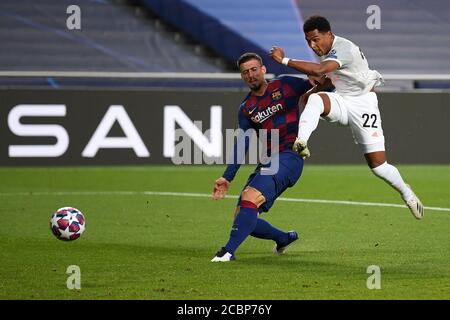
[[277, 54], [221, 186]]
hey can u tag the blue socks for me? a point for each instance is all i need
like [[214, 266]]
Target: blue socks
[[247, 223], [243, 225], [265, 230]]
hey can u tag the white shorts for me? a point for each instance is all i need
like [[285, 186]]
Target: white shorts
[[362, 115]]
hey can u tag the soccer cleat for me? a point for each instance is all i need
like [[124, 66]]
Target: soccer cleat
[[415, 206], [292, 237], [223, 256], [301, 148]]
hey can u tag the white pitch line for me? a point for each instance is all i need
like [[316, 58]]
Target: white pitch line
[[205, 195]]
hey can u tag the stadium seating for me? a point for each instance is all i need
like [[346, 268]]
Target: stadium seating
[[233, 27], [413, 38], [34, 36], [117, 36], [414, 35]]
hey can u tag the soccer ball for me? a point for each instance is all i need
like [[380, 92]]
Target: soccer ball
[[67, 223]]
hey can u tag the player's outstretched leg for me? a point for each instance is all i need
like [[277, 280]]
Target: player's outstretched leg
[[415, 205], [392, 176], [318, 105], [244, 224], [264, 230], [223, 256], [281, 247], [300, 146]]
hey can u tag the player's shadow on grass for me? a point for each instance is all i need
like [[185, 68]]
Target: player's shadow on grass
[[148, 249], [203, 254], [302, 260]]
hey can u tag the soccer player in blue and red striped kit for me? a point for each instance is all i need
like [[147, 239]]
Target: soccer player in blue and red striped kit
[[269, 105]]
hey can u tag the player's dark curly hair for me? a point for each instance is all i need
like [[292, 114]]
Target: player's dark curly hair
[[247, 57], [316, 22]]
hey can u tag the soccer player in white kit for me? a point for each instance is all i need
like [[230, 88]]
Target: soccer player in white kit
[[354, 102]]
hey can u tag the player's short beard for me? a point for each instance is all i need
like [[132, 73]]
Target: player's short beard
[[256, 86]]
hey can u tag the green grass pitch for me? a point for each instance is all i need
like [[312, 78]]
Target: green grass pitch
[[154, 246]]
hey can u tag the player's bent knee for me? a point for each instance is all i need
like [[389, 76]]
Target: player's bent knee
[[315, 99], [315, 102], [326, 103], [253, 195], [375, 159]]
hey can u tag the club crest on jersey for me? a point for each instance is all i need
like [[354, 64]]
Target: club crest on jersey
[[262, 116], [332, 54], [277, 95]]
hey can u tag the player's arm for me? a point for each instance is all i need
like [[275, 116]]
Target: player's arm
[[306, 67], [324, 84], [222, 184], [312, 85], [314, 80]]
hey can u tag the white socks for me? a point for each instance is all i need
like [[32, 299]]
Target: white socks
[[309, 119], [390, 174]]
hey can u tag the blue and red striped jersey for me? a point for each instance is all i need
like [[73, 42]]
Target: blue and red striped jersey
[[277, 108]]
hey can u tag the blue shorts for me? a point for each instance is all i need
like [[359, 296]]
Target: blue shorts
[[272, 186]]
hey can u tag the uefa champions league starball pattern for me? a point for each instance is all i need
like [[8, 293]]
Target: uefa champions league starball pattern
[[67, 223]]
